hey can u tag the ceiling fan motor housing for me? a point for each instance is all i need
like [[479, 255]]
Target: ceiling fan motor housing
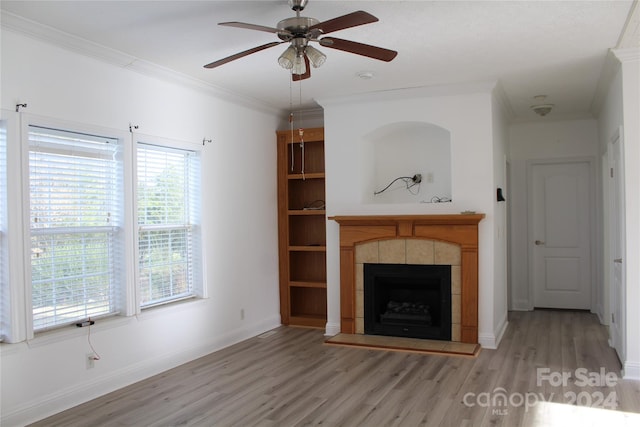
[[295, 27]]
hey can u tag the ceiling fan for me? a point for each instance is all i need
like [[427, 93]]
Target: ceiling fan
[[298, 31]]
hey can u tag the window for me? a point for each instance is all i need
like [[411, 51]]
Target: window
[[167, 207], [75, 214], [109, 224]]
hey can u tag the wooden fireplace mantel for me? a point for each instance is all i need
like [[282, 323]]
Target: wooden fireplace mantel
[[458, 229]]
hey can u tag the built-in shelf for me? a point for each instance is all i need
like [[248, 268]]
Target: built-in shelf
[[308, 284], [302, 228], [308, 248], [314, 175], [307, 212]]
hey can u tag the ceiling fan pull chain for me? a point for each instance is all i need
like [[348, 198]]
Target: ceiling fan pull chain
[[291, 145], [301, 133], [291, 121]]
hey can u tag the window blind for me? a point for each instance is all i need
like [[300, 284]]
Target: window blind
[[167, 180], [74, 218]]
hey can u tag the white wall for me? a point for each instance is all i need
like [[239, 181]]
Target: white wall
[[239, 225], [622, 109], [631, 108], [467, 114], [535, 141]]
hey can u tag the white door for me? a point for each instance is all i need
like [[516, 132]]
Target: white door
[[560, 234], [617, 233]]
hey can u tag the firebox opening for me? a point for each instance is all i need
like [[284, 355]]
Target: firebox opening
[[407, 300]]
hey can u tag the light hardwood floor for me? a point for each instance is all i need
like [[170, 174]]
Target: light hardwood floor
[[291, 378]]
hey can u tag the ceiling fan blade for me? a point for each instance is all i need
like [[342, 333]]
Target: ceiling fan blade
[[345, 21], [374, 52], [241, 54], [306, 75], [250, 26]]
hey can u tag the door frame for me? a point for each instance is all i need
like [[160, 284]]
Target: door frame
[[594, 244]]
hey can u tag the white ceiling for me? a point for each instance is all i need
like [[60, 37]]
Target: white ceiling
[[556, 48]]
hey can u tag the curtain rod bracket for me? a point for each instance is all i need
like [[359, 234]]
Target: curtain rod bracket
[[132, 127], [204, 140], [18, 106]]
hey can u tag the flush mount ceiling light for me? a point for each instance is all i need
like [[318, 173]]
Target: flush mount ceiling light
[[541, 108], [365, 75], [298, 31]]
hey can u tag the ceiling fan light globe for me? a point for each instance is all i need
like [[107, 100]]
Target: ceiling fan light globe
[[316, 57], [299, 67], [288, 58]]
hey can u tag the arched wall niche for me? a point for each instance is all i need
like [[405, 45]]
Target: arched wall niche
[[405, 149]]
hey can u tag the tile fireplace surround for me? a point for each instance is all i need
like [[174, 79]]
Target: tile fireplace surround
[[411, 239]]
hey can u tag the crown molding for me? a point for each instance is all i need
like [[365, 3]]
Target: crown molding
[[627, 54], [630, 35], [35, 30], [47, 34]]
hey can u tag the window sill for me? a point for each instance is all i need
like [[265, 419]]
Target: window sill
[[70, 332]]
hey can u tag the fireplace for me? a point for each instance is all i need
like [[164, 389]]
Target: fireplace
[[407, 300], [411, 239]]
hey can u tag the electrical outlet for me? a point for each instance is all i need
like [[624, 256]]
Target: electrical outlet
[[91, 360]]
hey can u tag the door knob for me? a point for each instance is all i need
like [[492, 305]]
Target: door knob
[[539, 242]]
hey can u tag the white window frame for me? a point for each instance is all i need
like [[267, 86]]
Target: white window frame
[[13, 281], [4, 247], [121, 281], [199, 291]]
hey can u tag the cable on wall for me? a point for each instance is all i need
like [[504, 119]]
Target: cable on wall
[[438, 199], [409, 181], [96, 356]]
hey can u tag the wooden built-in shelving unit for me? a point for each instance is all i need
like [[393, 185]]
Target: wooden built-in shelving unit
[[302, 228]]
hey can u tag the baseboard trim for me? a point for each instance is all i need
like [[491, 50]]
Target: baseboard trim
[[521, 305], [631, 371], [72, 396], [492, 341], [502, 328], [331, 329]]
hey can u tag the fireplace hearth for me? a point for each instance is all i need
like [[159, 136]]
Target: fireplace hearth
[[406, 300]]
